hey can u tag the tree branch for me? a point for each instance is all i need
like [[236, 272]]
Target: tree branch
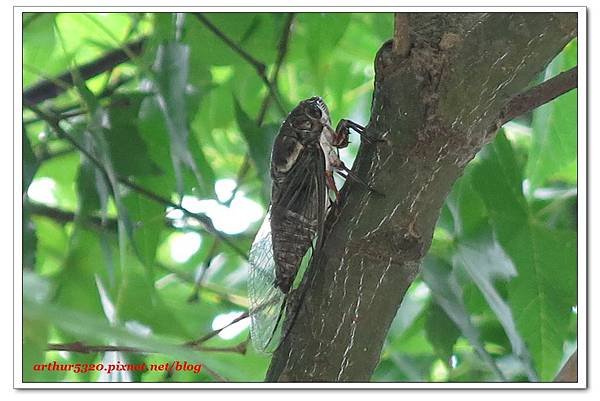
[[539, 95], [51, 88]]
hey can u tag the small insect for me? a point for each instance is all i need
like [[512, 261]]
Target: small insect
[[304, 157]]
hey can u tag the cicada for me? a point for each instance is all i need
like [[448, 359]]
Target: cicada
[[305, 155]]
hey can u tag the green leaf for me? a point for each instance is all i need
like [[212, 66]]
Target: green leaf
[[324, 31], [260, 142], [130, 156], [196, 146], [171, 79], [128, 151], [92, 189], [106, 176], [39, 43], [554, 126], [154, 132], [407, 332], [76, 284], [148, 221], [465, 205], [139, 301], [52, 246], [485, 261], [543, 292], [364, 36], [448, 294], [441, 332]]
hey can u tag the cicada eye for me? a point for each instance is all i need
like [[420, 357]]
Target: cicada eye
[[314, 111]]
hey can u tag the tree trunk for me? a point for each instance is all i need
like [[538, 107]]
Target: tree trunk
[[435, 107]]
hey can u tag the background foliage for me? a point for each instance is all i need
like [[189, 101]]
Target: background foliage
[[191, 120]]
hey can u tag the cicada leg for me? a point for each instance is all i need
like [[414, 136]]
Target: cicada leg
[[342, 132], [347, 173]]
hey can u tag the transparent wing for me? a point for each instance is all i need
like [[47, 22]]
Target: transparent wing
[[266, 300]]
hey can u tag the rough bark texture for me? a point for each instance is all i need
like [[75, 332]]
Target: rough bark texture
[[435, 109]]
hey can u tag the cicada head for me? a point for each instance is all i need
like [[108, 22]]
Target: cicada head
[[309, 118]]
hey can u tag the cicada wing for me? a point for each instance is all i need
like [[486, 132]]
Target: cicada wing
[[266, 300]]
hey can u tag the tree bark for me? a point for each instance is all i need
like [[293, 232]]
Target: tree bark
[[435, 109]]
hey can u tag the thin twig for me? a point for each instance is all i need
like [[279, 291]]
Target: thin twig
[[195, 295], [213, 333], [282, 49], [401, 42], [82, 348], [203, 219], [240, 348], [49, 88], [539, 95], [214, 374], [239, 179], [259, 66], [222, 293]]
